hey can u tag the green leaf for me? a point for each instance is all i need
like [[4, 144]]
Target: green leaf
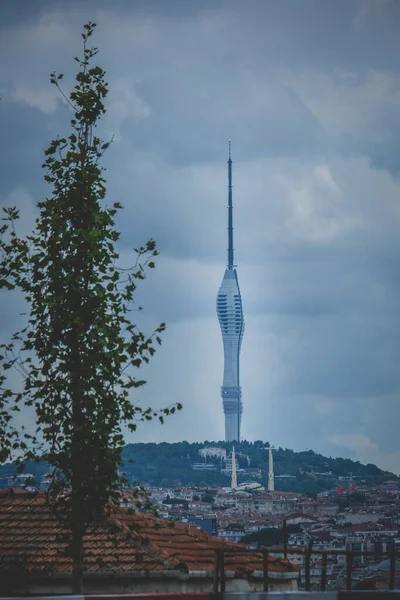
[[80, 345]]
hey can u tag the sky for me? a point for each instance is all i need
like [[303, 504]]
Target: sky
[[309, 93]]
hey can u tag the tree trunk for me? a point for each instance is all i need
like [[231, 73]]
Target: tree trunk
[[77, 559], [77, 499]]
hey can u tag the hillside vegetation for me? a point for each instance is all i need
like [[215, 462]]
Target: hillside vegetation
[[171, 464], [165, 465]]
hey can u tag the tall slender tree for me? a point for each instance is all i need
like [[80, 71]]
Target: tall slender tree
[[80, 346]]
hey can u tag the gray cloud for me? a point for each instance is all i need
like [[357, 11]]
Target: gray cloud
[[309, 93]]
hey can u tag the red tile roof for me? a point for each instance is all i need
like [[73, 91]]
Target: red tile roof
[[30, 538], [298, 515]]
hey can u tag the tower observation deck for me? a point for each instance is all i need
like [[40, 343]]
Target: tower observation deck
[[231, 320]]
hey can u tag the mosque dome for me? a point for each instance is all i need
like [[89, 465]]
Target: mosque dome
[[385, 565], [251, 485]]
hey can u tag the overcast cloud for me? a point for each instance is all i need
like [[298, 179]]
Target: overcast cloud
[[309, 92]]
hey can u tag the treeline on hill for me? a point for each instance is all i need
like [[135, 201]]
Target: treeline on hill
[[166, 465]]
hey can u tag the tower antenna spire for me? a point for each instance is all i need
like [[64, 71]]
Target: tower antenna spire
[[230, 211]]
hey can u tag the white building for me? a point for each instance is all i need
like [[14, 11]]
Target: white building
[[213, 452]]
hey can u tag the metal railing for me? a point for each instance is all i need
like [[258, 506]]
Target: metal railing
[[219, 583]]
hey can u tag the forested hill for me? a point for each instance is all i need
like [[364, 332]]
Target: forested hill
[[172, 464], [166, 465]]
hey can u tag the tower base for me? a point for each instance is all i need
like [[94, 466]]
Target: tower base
[[232, 427], [232, 403]]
